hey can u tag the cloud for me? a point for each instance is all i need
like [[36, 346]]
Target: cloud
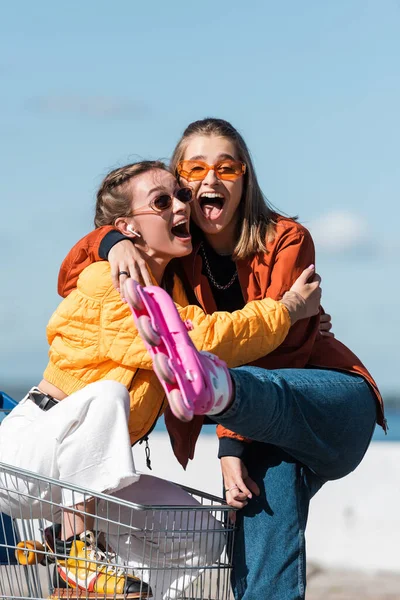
[[341, 232], [104, 107]]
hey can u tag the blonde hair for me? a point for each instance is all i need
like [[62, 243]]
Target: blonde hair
[[114, 198], [256, 218]]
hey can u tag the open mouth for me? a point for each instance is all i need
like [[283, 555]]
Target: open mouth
[[181, 230], [211, 204]]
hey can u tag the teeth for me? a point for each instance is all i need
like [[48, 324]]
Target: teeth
[[211, 195], [180, 223]]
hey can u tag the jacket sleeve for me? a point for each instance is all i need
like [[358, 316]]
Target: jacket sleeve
[[93, 325], [294, 252], [237, 337], [84, 253]]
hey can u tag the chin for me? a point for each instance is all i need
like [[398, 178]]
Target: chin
[[187, 250], [184, 250], [212, 228]]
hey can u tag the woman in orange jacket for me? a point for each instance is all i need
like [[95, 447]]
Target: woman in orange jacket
[[242, 251], [86, 424]]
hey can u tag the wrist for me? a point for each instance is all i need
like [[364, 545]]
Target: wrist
[[296, 305], [109, 241], [231, 447]]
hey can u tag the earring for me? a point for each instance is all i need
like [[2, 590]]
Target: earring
[[133, 232]]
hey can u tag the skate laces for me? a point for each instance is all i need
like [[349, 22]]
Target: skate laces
[[95, 554]]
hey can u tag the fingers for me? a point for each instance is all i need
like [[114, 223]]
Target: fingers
[[316, 285], [236, 499], [134, 272], [317, 278], [253, 487], [145, 273], [139, 272], [124, 256], [306, 274], [115, 277], [123, 280], [238, 494], [325, 318], [242, 489], [325, 325]]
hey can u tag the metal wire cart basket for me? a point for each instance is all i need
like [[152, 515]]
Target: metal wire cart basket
[[175, 551]]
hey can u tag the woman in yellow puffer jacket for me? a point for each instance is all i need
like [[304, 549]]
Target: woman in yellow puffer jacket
[[93, 339]]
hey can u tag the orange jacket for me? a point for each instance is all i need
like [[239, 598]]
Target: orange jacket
[[93, 337], [270, 275]]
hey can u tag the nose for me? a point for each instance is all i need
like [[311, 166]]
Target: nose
[[179, 206], [211, 177]]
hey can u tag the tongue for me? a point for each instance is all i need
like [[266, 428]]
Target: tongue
[[211, 211]]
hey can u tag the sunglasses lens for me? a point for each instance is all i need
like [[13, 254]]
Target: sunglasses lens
[[184, 195], [229, 169], [162, 202], [192, 170]]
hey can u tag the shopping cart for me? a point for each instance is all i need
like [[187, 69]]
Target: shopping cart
[[179, 551]]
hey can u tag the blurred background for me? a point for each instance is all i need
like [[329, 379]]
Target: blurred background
[[314, 87]]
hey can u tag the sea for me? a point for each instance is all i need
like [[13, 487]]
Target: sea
[[392, 417]]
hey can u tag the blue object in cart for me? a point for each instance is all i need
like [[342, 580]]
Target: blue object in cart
[[6, 404], [7, 532]]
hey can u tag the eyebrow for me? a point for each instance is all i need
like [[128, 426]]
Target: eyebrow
[[220, 157]]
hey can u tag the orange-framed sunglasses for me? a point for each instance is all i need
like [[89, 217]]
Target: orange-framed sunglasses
[[197, 170]]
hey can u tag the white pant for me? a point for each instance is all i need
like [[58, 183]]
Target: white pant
[[84, 441]]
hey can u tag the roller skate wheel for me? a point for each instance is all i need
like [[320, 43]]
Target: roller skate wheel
[[132, 292], [29, 552], [177, 406], [147, 331], [163, 369]]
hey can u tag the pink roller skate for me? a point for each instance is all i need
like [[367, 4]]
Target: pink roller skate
[[195, 383]]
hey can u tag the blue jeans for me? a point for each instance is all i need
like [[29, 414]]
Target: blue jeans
[[311, 425]]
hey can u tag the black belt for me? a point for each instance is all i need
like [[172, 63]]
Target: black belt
[[43, 401]]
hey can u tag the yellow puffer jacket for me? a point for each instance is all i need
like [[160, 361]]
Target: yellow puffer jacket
[[92, 336]]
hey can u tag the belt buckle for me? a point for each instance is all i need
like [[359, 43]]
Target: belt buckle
[[42, 400]]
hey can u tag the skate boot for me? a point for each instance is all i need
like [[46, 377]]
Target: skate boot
[[196, 383], [83, 570]]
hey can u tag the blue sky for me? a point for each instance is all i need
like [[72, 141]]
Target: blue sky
[[314, 87]]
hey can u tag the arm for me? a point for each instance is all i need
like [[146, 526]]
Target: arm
[[293, 250], [84, 253], [96, 246], [92, 329], [236, 337]]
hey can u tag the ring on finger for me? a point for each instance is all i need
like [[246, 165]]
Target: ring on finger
[[231, 488], [123, 273]]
